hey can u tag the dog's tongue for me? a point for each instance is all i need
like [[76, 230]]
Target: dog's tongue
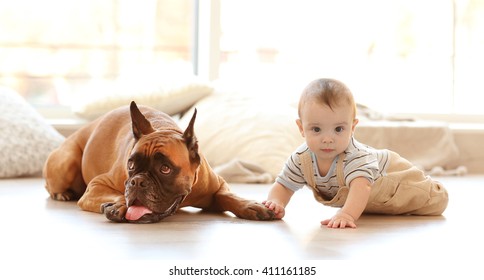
[[135, 212]]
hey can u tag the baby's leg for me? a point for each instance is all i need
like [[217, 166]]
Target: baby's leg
[[437, 203]]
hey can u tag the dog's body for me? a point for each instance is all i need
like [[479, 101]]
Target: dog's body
[[138, 166]]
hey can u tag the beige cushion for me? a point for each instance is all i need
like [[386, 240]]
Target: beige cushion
[[171, 95], [253, 130]]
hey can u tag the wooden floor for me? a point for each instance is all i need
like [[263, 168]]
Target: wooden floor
[[38, 230]]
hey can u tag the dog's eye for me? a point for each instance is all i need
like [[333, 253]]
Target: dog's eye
[[165, 169], [130, 165]]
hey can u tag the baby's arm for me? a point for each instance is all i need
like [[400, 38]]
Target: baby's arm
[[353, 208], [277, 199]]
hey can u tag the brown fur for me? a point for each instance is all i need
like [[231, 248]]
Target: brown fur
[[135, 156]]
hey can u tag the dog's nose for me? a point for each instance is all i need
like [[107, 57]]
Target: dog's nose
[[137, 182]]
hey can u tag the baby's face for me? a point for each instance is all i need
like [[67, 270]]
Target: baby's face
[[327, 131]]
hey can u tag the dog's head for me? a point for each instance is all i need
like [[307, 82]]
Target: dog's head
[[162, 168]]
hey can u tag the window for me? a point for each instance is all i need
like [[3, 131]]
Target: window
[[50, 49], [398, 56]]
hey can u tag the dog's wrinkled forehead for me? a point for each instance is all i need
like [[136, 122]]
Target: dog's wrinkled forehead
[[149, 144], [164, 143]]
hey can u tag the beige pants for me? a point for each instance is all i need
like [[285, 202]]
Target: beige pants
[[404, 190]]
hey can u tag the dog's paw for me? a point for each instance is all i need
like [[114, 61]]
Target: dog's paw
[[115, 212], [257, 211], [65, 196]]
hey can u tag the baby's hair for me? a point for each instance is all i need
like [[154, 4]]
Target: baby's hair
[[329, 92]]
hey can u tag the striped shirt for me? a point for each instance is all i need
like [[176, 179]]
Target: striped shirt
[[360, 161]]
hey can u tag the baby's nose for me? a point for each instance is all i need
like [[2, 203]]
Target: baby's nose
[[327, 139]]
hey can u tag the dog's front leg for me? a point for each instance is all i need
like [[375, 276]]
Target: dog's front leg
[[100, 197], [225, 200]]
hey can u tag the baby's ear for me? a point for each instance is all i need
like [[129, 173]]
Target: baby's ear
[[355, 122], [300, 126]]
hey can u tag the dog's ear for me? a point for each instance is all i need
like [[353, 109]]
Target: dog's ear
[[141, 126], [191, 139]]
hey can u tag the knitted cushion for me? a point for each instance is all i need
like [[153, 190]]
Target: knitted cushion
[[26, 138]]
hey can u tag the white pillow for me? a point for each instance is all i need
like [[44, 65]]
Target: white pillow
[[171, 95], [27, 139], [259, 131]]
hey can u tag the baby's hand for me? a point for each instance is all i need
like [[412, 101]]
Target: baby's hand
[[340, 220], [275, 207]]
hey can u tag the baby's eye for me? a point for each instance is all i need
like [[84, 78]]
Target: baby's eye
[[316, 129], [339, 129]]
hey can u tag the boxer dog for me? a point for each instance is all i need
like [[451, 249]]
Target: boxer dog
[[136, 165]]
